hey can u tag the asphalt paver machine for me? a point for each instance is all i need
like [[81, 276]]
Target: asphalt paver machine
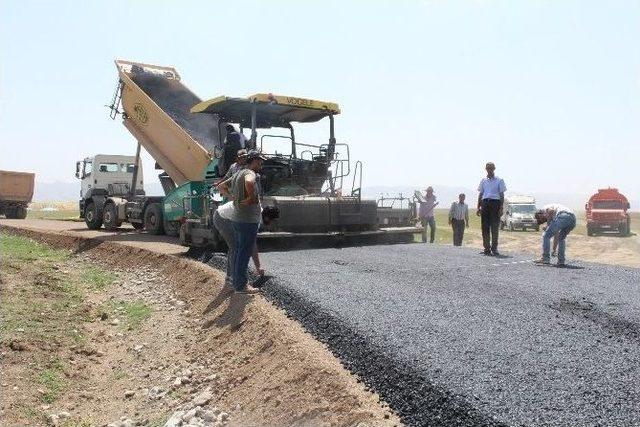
[[186, 135]]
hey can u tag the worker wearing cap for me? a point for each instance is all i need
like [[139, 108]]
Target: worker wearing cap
[[490, 202], [224, 225], [245, 216], [240, 163], [561, 220], [425, 214]]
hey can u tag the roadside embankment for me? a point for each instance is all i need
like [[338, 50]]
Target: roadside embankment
[[242, 354]]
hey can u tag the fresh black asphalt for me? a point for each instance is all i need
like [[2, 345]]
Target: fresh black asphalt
[[451, 337]]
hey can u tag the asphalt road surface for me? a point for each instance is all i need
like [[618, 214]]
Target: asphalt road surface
[[451, 337]]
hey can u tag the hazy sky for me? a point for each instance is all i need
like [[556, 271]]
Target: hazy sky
[[429, 90]]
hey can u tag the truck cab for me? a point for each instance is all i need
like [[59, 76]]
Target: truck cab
[[107, 179], [607, 211], [518, 213]]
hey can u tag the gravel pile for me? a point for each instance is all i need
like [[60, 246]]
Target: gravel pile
[[197, 414]]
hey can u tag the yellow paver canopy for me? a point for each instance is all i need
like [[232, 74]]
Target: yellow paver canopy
[[271, 110]]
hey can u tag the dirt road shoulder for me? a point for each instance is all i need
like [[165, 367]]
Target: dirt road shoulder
[[113, 331]]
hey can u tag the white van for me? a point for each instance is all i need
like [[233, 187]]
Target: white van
[[518, 213]]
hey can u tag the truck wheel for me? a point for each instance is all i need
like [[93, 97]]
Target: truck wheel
[[153, 219], [625, 230], [21, 212], [110, 217], [510, 226], [92, 217], [138, 225], [171, 228], [590, 231]]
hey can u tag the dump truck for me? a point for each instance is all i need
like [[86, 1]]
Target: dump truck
[[607, 211], [519, 213], [16, 192], [112, 192], [185, 135]]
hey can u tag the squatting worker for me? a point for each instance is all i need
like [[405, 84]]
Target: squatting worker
[[560, 221], [425, 214], [224, 225], [490, 201], [245, 216], [459, 219]]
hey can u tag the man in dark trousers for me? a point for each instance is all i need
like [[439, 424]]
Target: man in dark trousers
[[459, 219], [490, 201]]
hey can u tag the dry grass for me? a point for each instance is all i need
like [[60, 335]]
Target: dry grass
[[67, 211], [608, 249]]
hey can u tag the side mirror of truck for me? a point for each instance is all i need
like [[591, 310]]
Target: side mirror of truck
[[78, 170], [586, 206], [628, 205]]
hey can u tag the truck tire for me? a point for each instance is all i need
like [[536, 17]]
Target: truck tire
[[153, 219], [110, 217], [511, 226], [92, 217], [625, 230], [172, 228], [21, 212], [590, 231], [10, 213]]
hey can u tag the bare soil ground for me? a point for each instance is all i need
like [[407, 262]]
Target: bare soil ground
[[98, 333], [606, 248]]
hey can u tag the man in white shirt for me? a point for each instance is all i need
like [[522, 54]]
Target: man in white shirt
[[459, 219], [561, 220], [425, 214], [490, 201]]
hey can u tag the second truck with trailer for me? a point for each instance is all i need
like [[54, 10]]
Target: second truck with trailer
[[16, 192]]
